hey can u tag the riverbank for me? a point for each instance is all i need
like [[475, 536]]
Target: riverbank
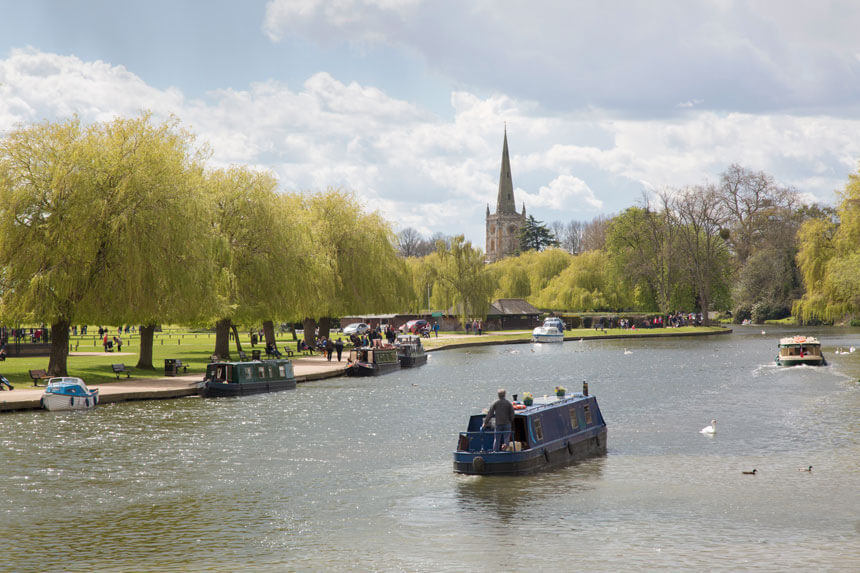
[[311, 368]]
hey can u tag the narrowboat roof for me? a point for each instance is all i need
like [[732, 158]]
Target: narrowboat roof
[[792, 340], [543, 403], [251, 362]]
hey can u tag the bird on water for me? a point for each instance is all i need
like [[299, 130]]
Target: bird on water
[[710, 430], [809, 469], [752, 473]]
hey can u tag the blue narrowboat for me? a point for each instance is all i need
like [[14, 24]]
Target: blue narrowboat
[[241, 378], [552, 432]]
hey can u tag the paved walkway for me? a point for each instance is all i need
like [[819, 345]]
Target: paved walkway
[[305, 369]]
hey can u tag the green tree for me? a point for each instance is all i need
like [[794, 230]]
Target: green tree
[[462, 274], [362, 271], [535, 236], [829, 259], [95, 222], [260, 254]]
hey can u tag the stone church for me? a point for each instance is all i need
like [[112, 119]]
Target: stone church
[[503, 226]]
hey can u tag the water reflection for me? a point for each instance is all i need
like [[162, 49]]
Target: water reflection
[[505, 496]]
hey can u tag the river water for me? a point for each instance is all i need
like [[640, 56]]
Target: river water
[[356, 474]]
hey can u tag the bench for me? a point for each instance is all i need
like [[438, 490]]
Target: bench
[[243, 356], [184, 366], [38, 375], [287, 352], [120, 369]]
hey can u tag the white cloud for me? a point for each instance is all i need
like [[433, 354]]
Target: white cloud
[[438, 174], [564, 192]]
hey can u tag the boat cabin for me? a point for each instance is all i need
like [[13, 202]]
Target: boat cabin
[[238, 378], [370, 355], [549, 419]]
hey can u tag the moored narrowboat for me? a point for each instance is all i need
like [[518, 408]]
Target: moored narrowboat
[[410, 351], [372, 361], [241, 378], [794, 350], [552, 432]]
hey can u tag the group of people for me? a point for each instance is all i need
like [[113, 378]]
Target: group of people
[[110, 342], [476, 326], [328, 347]]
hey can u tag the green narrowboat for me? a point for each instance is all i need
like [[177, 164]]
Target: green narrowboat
[[241, 378]]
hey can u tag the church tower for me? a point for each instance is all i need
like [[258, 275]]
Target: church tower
[[503, 227]]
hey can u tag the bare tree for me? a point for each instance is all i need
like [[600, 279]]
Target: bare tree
[[752, 200], [409, 242], [699, 215], [594, 234]]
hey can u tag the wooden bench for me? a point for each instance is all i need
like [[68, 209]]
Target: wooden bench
[[120, 369], [287, 352], [243, 356], [38, 375], [184, 366]]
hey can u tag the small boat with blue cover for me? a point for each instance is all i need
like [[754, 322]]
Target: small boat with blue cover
[[241, 378], [552, 432], [69, 393], [551, 331]]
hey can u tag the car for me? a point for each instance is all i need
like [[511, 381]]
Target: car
[[415, 326], [356, 328]]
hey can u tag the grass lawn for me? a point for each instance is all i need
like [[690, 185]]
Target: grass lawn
[[195, 348]]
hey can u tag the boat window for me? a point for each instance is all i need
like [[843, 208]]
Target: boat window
[[538, 429], [282, 370], [261, 371], [574, 423], [370, 356], [587, 415], [247, 373]]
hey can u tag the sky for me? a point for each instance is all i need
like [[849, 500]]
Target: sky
[[406, 102]]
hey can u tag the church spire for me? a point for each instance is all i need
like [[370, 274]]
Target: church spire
[[505, 202]]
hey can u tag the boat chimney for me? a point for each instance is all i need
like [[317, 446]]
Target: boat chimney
[[584, 388]]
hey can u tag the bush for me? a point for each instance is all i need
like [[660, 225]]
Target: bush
[[855, 322]]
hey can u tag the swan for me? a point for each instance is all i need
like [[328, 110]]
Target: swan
[[763, 332], [712, 429], [752, 473], [628, 351], [852, 349]]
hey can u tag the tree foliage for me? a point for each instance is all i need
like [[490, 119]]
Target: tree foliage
[[535, 236], [829, 259]]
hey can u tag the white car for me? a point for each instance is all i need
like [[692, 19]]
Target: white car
[[356, 328]]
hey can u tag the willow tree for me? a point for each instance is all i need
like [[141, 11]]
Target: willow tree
[[829, 260], [363, 273], [90, 225], [259, 251], [462, 272]]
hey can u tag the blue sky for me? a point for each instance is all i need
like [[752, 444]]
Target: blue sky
[[404, 102]]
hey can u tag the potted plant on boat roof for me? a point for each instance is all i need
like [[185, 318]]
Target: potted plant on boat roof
[[528, 399], [560, 391]]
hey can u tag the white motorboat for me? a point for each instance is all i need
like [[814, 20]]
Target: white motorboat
[[68, 393], [552, 330]]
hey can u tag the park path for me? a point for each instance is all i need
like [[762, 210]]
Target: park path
[[305, 369]]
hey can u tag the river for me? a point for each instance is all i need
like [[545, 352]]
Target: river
[[356, 474]]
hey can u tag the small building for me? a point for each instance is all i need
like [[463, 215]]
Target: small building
[[510, 314]]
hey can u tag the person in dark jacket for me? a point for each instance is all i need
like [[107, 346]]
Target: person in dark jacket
[[329, 348], [503, 412], [338, 347]]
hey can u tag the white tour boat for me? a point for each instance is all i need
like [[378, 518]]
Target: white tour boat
[[68, 393]]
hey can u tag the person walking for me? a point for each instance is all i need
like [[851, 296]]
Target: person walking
[[503, 413], [329, 348], [338, 347]]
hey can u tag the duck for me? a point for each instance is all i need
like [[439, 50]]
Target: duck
[[809, 469], [712, 429], [752, 473]]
